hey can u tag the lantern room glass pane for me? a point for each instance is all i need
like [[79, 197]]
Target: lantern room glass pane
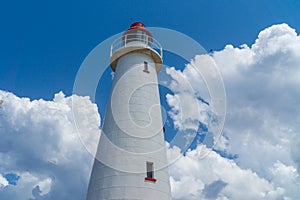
[[137, 35]]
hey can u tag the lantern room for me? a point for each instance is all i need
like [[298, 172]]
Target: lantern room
[[137, 33], [136, 39]]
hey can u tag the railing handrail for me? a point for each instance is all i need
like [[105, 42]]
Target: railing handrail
[[148, 42]]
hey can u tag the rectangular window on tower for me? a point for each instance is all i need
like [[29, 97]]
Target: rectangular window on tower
[[146, 67], [150, 172]]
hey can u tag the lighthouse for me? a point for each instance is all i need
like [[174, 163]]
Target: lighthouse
[[131, 161]]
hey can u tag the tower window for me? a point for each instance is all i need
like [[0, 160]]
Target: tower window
[[146, 67], [150, 172]]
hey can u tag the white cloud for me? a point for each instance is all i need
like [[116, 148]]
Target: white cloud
[[45, 186], [41, 143], [3, 181], [186, 107], [217, 177], [262, 125], [286, 176], [263, 112], [189, 111]]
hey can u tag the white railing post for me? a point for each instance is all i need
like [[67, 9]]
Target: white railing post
[[125, 40], [111, 49], [147, 39]]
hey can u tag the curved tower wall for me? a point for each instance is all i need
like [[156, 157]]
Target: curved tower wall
[[132, 135]]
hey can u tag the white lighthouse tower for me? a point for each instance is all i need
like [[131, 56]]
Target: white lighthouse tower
[[131, 160]]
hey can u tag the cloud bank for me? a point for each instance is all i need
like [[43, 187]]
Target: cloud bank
[[262, 126], [40, 148]]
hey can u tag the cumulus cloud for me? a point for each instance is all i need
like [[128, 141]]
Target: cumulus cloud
[[186, 115], [216, 177], [265, 95], [262, 125], [3, 181], [41, 144], [189, 109]]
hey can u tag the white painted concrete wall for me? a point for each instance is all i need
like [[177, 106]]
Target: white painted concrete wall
[[132, 135]]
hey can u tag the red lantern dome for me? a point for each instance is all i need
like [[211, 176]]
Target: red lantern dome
[[138, 28]]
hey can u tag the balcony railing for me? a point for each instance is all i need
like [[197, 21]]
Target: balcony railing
[[136, 39]]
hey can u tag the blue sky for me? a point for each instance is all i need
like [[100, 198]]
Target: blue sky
[[43, 44]]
